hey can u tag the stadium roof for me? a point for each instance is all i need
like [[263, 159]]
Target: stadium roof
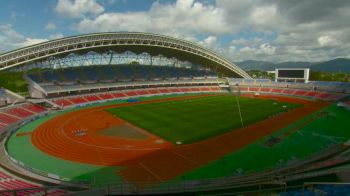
[[153, 44]]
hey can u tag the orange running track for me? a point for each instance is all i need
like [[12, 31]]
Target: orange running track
[[149, 160], [59, 137]]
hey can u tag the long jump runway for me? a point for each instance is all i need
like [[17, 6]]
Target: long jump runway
[[76, 136]]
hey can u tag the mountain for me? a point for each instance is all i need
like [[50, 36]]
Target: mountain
[[256, 65], [335, 65]]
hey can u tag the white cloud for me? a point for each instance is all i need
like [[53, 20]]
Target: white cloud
[[263, 15], [327, 40], [263, 49], [260, 29], [210, 42], [77, 8], [32, 41], [267, 49], [256, 41], [11, 39], [183, 18], [304, 30], [50, 26]]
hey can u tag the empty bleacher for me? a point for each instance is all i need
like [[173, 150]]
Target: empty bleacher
[[7, 119], [19, 112], [33, 108], [314, 90], [336, 87], [9, 183], [75, 80], [115, 73], [97, 97], [12, 114]]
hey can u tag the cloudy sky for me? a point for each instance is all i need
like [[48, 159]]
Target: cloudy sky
[[270, 30]]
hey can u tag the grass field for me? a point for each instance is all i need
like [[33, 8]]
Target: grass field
[[197, 119], [324, 132]]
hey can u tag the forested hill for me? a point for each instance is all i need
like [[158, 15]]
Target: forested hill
[[335, 65]]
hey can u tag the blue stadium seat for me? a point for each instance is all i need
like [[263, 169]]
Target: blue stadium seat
[[121, 72], [92, 73], [143, 71], [158, 72], [126, 71]]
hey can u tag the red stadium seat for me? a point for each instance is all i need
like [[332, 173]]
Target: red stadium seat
[[78, 100], [264, 89], [119, 95], [312, 94], [63, 102], [163, 90], [244, 89], [277, 90], [254, 89], [92, 98], [6, 119], [288, 91], [130, 93], [215, 88], [34, 108], [106, 96], [195, 89], [142, 92], [19, 112], [172, 90], [153, 91], [300, 92], [205, 89]]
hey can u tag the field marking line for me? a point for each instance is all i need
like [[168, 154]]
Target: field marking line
[[186, 158], [97, 150], [328, 137], [96, 146], [151, 172]]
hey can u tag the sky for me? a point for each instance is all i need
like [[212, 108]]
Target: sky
[[268, 30]]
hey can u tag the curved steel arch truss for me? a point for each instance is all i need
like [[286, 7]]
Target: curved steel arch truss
[[136, 42]]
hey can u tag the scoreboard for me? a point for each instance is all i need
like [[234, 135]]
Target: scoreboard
[[292, 75]]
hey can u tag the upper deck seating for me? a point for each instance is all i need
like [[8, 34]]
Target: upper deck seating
[[121, 73]]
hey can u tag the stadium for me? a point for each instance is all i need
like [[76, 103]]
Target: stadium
[[141, 113]]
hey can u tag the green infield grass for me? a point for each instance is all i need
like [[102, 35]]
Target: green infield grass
[[195, 119]]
